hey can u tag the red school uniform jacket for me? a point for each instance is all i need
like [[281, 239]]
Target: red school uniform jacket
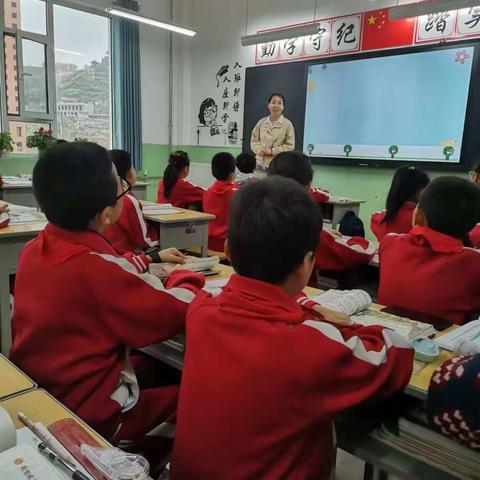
[[430, 272], [402, 223], [216, 201], [79, 308], [131, 231], [263, 381], [320, 196], [338, 252], [182, 194], [475, 236]]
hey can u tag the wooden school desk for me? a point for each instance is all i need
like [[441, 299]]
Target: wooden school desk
[[12, 240], [335, 209], [40, 406], [23, 194], [185, 229], [13, 381]]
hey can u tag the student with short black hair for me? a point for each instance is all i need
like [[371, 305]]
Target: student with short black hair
[[246, 164], [298, 167], [264, 373], [217, 199], [407, 186], [131, 232], [80, 307], [335, 252], [429, 269], [174, 188]]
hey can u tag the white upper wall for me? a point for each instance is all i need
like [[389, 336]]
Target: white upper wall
[[220, 23]]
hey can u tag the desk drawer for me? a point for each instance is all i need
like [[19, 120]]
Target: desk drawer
[[183, 235], [10, 250]]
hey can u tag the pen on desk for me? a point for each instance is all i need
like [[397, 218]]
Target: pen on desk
[[56, 460], [44, 438]]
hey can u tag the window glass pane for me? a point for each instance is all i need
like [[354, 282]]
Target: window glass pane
[[82, 70], [11, 75], [27, 15], [20, 131], [34, 77]]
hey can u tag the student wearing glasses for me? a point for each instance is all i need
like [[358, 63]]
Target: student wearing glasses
[[80, 308], [131, 232]]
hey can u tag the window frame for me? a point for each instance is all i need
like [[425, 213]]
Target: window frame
[[49, 43]]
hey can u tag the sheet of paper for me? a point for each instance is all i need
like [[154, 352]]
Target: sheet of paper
[[466, 333], [21, 214]]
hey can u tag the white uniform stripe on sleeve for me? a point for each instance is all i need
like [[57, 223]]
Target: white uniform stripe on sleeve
[[355, 344], [181, 294], [141, 222]]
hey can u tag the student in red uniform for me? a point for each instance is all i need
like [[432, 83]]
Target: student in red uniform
[[131, 232], [80, 308], [335, 252], [407, 186], [297, 166], [174, 189], [264, 374], [475, 233], [429, 269], [217, 198]]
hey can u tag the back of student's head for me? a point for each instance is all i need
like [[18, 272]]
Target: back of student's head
[[177, 162], [451, 205], [407, 186], [122, 161], [273, 224], [294, 165], [73, 182], [246, 162], [223, 165]]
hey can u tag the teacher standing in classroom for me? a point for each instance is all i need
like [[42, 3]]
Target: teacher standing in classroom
[[273, 134]]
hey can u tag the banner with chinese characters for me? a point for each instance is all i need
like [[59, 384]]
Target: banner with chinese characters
[[369, 31]]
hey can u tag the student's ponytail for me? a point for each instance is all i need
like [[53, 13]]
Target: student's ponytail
[[407, 184], [176, 163]]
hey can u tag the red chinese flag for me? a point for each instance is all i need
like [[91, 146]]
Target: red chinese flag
[[381, 32]]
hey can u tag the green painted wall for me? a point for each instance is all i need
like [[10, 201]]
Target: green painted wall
[[369, 184]]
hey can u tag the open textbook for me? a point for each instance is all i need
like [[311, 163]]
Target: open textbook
[[357, 303], [160, 209], [20, 214]]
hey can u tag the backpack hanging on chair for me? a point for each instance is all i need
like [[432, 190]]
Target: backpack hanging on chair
[[351, 225]]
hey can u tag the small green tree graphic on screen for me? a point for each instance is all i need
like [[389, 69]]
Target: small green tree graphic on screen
[[448, 152], [393, 150], [310, 148], [348, 150]]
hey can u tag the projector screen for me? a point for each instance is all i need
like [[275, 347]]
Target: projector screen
[[408, 107]]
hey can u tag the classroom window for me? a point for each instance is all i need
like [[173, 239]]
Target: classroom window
[[82, 74], [34, 77], [27, 15], [20, 131]]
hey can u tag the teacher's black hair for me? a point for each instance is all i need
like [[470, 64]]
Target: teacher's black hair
[[273, 224], [74, 182], [407, 185], [277, 95]]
